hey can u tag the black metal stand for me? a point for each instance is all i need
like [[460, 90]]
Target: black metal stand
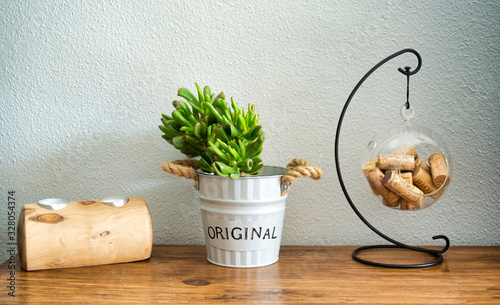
[[396, 245]]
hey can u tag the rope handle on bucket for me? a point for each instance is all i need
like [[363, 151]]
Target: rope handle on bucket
[[182, 168], [298, 168], [301, 168]]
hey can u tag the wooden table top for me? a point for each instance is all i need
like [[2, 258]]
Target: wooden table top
[[303, 275]]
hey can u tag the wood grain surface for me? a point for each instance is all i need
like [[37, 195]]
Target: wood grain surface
[[303, 275], [84, 233]]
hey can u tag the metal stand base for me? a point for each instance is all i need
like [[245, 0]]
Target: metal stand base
[[437, 254]]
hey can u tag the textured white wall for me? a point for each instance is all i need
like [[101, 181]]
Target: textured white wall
[[84, 83]]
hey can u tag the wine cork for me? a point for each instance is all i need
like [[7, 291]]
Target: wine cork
[[405, 205], [407, 178], [394, 182], [391, 205], [401, 162], [418, 193], [408, 149], [369, 166], [373, 186], [375, 178], [439, 169], [421, 163], [423, 181]]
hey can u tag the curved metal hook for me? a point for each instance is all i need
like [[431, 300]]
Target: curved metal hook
[[407, 71], [369, 73]]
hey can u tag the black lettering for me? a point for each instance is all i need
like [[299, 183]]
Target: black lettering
[[258, 233], [268, 234], [211, 232], [239, 236], [274, 236], [218, 231]]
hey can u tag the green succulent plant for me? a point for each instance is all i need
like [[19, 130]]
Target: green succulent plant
[[227, 139]]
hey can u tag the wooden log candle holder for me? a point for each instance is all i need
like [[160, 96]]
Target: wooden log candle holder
[[84, 233]]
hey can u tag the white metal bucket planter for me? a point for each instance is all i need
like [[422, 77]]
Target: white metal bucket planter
[[243, 218]]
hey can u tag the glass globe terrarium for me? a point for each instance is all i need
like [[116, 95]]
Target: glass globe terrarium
[[408, 165]]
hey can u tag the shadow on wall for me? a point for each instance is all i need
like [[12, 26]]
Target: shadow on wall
[[109, 164]]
